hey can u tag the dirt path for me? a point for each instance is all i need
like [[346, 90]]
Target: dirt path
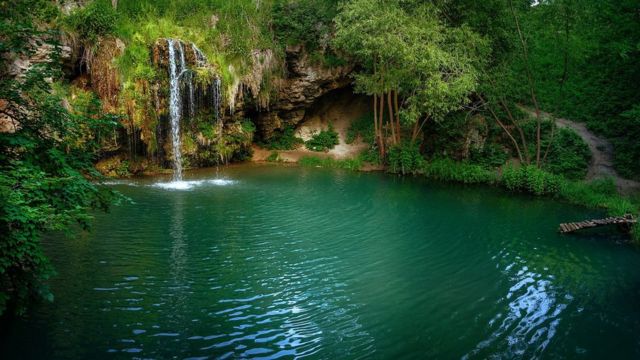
[[601, 165]]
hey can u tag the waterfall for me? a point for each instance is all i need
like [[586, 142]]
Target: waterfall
[[185, 96], [217, 99], [175, 105], [192, 105], [201, 59]]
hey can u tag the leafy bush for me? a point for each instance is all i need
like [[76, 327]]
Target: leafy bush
[[248, 126], [324, 140], [305, 22], [94, 20], [490, 156], [273, 157], [449, 170], [568, 155], [284, 140], [626, 144], [362, 127], [371, 155], [596, 194], [405, 158], [530, 179]]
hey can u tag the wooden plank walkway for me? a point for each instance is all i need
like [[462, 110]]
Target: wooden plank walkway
[[626, 220]]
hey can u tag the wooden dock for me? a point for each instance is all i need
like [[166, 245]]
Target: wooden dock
[[624, 221]]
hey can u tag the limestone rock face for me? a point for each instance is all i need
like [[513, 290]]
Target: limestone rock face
[[105, 79], [19, 65], [41, 53], [304, 83]]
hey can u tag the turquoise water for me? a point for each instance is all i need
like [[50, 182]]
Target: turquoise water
[[268, 262]]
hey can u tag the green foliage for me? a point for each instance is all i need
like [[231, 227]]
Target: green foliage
[[491, 156], [305, 22], [569, 155], [582, 58], [444, 169], [324, 140], [597, 194], [46, 173], [94, 20], [284, 140], [273, 157], [405, 158], [363, 128], [314, 161], [635, 234], [371, 155], [625, 142], [248, 126], [226, 31], [530, 179], [406, 46]]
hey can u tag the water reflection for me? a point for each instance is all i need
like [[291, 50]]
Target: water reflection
[[179, 286], [527, 317], [299, 308]]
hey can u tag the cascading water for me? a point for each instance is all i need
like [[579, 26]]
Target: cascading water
[[175, 105], [182, 78], [192, 104], [201, 59], [217, 99]]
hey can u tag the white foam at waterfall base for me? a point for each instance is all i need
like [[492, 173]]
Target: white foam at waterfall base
[[190, 184]]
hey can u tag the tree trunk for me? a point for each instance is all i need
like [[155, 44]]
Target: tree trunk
[[115, 4], [383, 134], [395, 105], [546, 152], [525, 56], [377, 132], [506, 130], [392, 119], [417, 128], [522, 137]]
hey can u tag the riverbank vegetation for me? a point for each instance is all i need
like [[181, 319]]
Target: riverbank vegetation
[[457, 91], [47, 179]]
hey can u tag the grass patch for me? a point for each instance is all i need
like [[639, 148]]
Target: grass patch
[[462, 172], [347, 164]]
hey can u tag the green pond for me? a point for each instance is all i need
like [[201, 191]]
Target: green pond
[[280, 262]]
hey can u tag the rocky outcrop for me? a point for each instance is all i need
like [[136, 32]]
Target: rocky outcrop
[[304, 82], [274, 94], [41, 51], [105, 79]]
